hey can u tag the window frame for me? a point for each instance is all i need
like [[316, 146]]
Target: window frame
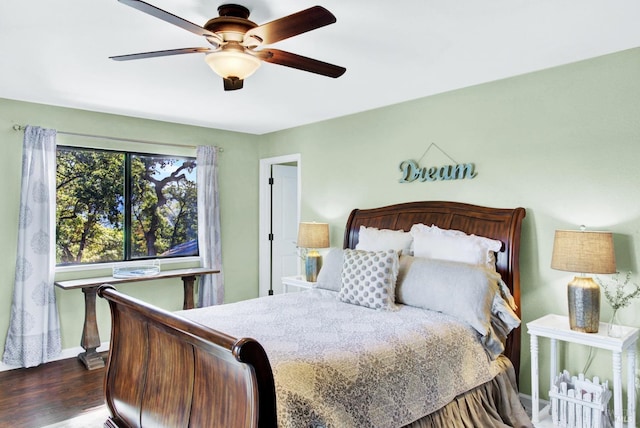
[[128, 154]]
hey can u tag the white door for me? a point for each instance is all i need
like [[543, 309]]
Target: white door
[[284, 224]]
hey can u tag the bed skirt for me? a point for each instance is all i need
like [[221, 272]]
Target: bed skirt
[[493, 404]]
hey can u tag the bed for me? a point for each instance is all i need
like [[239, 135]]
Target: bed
[[202, 368]]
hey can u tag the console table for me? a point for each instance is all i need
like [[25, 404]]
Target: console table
[[90, 337]]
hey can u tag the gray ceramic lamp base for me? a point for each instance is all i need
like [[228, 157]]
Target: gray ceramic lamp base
[[583, 295], [312, 265]]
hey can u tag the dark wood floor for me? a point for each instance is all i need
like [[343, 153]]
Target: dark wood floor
[[49, 393]]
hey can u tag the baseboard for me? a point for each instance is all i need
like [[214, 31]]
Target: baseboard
[[66, 353]]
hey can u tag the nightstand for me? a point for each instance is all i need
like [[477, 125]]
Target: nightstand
[[556, 327], [297, 281]]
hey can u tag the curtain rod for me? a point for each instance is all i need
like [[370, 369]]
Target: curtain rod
[[128, 140]]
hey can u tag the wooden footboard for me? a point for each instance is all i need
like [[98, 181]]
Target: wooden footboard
[[167, 371]]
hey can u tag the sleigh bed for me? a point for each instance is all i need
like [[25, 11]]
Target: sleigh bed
[[326, 357]]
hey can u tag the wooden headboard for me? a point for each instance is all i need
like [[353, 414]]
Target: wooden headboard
[[496, 223]]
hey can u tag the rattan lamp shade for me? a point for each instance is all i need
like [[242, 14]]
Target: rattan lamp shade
[[583, 252]]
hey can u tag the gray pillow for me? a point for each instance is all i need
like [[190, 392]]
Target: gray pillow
[[474, 294], [330, 275], [369, 278], [463, 290]]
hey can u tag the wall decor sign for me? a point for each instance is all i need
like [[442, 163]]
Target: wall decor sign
[[412, 171]]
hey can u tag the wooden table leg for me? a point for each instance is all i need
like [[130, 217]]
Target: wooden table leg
[[188, 282], [90, 336]]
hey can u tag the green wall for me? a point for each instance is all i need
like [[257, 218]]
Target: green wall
[[238, 175], [563, 143]]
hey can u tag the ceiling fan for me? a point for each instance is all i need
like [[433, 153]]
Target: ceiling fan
[[234, 40]]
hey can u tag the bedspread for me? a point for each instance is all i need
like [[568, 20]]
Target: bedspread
[[340, 365]]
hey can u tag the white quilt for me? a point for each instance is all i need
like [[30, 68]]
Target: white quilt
[[340, 365]]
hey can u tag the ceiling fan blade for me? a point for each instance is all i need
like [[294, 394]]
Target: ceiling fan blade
[[171, 18], [288, 26], [159, 53], [232, 83], [300, 62]]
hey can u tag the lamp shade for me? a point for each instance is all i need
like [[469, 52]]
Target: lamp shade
[[313, 235], [583, 252], [231, 63]]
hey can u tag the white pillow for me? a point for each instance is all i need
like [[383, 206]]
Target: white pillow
[[369, 278], [330, 275], [453, 245], [374, 239]]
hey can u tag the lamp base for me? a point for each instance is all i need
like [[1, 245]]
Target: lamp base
[[312, 265], [583, 295]]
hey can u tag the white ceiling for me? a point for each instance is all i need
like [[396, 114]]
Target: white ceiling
[[56, 52]]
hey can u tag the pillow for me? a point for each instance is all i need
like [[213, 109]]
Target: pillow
[[373, 239], [453, 245], [503, 320], [369, 278], [330, 275], [459, 289], [471, 293]]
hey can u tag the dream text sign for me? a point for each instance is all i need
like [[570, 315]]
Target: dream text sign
[[411, 171]]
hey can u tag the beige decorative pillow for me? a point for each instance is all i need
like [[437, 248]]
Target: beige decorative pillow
[[369, 278]]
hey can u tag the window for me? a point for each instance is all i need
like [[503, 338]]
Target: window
[[119, 206]]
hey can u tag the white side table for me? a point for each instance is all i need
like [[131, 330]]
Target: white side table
[[297, 281], [556, 327]]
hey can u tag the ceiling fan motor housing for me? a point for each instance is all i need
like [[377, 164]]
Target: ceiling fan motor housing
[[236, 10], [232, 23]]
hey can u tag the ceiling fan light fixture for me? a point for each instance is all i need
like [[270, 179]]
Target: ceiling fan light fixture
[[231, 63]]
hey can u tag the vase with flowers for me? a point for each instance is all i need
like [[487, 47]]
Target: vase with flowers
[[619, 294]]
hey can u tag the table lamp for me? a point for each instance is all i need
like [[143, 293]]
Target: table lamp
[[583, 252], [313, 236]]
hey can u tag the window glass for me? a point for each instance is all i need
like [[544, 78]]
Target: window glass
[[118, 206]]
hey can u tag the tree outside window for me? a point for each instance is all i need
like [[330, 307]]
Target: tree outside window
[[118, 206]]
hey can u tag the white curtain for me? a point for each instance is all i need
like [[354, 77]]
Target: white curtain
[[34, 327], [211, 287]]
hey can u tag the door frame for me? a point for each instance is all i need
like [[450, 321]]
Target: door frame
[[264, 247]]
